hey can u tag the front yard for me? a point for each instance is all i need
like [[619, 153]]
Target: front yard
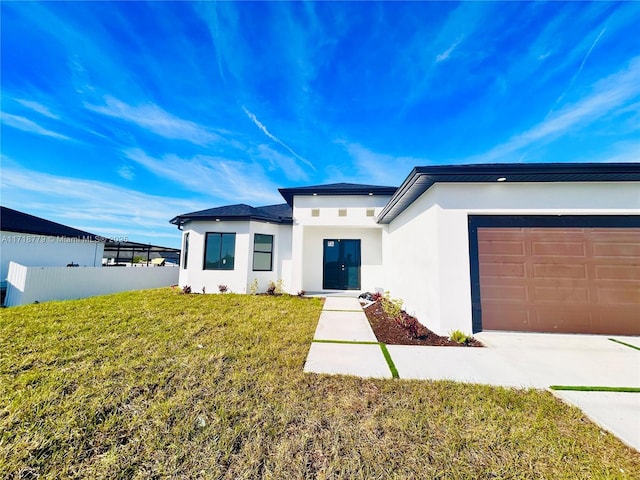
[[157, 384]]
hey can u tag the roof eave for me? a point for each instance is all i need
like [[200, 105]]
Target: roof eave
[[410, 190], [289, 193], [182, 220]]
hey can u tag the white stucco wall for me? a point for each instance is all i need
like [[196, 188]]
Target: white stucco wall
[[44, 251], [309, 232], [427, 248], [240, 278], [371, 269]]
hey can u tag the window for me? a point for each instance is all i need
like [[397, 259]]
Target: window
[[219, 251], [262, 252], [185, 251]]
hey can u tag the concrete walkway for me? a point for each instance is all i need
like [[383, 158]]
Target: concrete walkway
[[345, 344]]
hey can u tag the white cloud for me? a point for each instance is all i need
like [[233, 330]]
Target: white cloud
[[153, 118], [584, 60], [98, 207], [37, 107], [26, 125], [284, 163], [379, 168], [264, 130], [447, 53], [231, 180], [126, 172], [607, 95]]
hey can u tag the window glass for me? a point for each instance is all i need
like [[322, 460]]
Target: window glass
[[262, 252], [219, 251], [185, 251]]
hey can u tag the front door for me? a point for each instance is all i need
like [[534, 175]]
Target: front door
[[341, 264]]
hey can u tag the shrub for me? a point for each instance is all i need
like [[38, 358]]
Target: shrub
[[222, 288], [392, 307], [253, 288], [301, 293], [459, 336], [275, 288], [377, 296], [186, 289], [411, 324]]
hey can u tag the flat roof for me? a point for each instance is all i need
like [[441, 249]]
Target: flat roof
[[336, 189]]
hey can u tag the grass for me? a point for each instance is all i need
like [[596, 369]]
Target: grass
[[624, 343], [579, 388], [156, 384]]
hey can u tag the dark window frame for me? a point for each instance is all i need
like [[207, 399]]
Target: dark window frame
[[255, 235], [476, 221], [185, 259], [221, 236]]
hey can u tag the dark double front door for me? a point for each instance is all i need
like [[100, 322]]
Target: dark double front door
[[341, 264]]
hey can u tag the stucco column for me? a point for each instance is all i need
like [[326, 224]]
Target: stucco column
[[297, 256]]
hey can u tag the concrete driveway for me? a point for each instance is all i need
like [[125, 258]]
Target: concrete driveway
[[532, 360], [344, 344]]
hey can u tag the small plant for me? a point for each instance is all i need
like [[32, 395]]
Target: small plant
[[222, 288], [275, 288], [186, 289], [392, 307], [377, 296], [253, 288], [411, 325], [459, 337], [204, 290], [301, 293]]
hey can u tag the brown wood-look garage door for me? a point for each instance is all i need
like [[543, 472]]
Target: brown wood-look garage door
[[569, 280]]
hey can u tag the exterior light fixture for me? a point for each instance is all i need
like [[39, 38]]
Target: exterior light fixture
[[501, 179], [217, 219], [371, 194], [315, 194]]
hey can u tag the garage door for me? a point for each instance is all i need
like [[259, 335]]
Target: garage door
[[565, 280]]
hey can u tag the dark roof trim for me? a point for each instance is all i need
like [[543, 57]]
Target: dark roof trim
[[335, 189], [422, 178], [279, 214], [19, 222]]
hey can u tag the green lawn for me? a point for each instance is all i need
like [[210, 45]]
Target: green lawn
[[157, 384]]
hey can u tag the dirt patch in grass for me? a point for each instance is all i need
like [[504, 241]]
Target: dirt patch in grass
[[388, 330]]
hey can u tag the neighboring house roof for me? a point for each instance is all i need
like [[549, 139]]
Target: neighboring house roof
[[422, 178], [336, 189], [19, 222], [280, 214]]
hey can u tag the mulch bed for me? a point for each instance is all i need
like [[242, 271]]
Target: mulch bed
[[388, 331]]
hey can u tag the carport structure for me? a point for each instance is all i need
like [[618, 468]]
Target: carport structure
[[119, 253]]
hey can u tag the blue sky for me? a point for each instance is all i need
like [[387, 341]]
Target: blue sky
[[118, 116]]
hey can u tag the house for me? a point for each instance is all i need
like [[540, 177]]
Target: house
[[34, 241], [523, 247]]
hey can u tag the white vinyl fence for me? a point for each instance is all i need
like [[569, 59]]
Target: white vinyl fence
[[40, 284]]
